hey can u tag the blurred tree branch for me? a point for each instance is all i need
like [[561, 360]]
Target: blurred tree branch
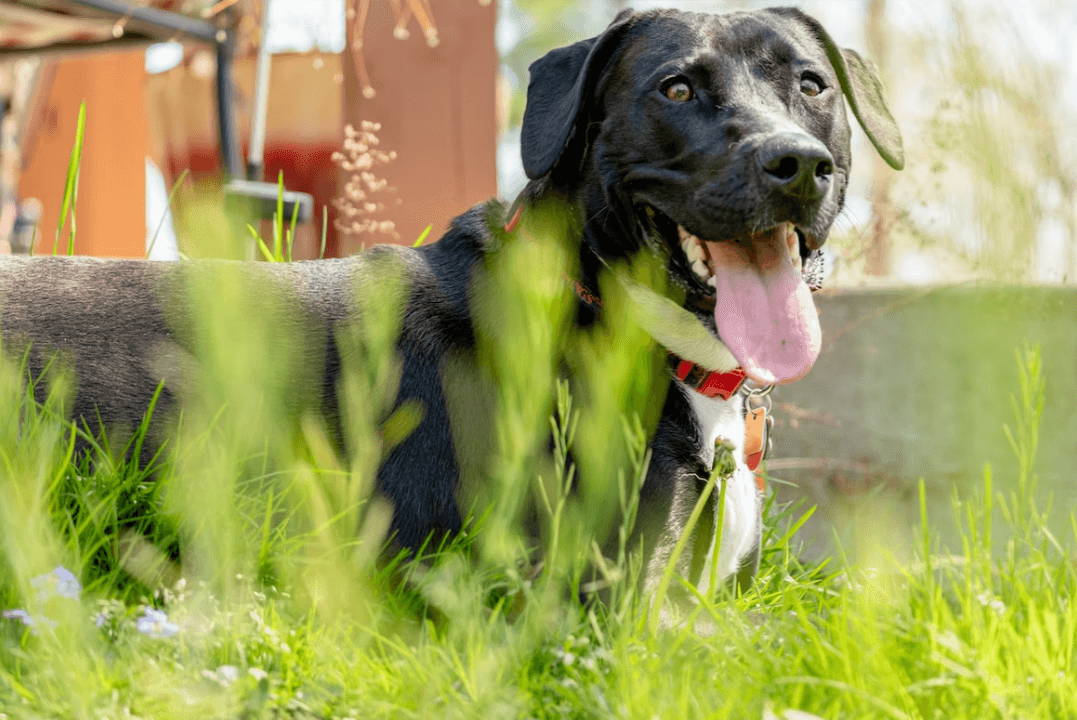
[[877, 257]]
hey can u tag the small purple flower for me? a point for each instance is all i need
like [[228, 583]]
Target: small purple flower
[[60, 581], [155, 624], [27, 619]]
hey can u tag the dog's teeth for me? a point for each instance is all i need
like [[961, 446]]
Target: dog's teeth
[[700, 268], [692, 250], [713, 282], [793, 243]]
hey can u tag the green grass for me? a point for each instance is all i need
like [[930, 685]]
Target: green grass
[[71, 186], [263, 550]]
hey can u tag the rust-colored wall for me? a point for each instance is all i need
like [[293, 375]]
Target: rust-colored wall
[[303, 128], [111, 207], [436, 107]]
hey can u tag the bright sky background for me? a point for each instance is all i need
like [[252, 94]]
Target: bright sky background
[[1041, 29]]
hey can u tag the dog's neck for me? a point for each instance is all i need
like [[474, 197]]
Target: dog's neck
[[708, 382]]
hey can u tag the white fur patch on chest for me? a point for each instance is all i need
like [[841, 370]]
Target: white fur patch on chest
[[724, 419]]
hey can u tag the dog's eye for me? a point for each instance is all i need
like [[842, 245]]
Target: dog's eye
[[811, 85], [679, 91]]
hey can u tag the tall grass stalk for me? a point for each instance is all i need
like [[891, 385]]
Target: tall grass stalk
[[71, 185], [721, 471], [263, 544], [167, 211]]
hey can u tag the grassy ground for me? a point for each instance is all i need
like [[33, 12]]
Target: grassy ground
[[240, 576]]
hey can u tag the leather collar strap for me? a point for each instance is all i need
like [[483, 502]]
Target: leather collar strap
[[708, 383], [516, 215]]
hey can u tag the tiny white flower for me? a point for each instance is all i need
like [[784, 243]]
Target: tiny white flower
[[30, 621], [60, 581], [768, 714], [155, 624], [987, 599], [18, 615]]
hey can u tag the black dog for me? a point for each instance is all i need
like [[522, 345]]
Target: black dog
[[718, 143]]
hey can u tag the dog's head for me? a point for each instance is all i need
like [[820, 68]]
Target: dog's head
[[721, 142]]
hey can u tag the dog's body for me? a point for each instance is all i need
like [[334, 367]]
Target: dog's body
[[668, 128]]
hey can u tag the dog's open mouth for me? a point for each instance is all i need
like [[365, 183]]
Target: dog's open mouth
[[760, 286]]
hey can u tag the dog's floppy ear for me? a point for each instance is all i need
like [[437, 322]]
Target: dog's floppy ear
[[562, 82], [860, 84]]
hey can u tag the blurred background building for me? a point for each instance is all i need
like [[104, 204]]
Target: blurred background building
[[983, 90], [917, 370]]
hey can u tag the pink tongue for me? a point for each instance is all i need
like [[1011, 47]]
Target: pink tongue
[[764, 310]]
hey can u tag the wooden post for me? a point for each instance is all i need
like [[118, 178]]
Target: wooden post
[[878, 256], [111, 210], [436, 108]]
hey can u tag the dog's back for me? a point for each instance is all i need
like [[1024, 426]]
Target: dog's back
[[121, 328], [125, 331], [717, 146]]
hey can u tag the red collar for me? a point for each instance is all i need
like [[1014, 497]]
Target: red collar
[[709, 383]]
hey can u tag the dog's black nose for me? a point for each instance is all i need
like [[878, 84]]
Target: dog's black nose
[[799, 165]]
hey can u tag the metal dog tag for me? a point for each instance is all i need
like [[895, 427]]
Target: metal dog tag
[[756, 430]]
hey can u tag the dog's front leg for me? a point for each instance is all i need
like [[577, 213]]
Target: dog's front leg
[[723, 542]]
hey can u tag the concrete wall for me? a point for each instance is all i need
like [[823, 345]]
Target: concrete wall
[[917, 383]]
